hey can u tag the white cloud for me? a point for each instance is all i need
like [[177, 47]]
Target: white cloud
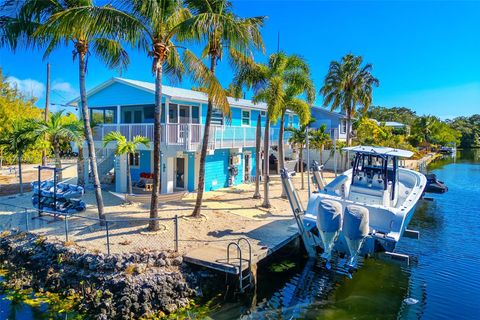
[[64, 90], [29, 87]]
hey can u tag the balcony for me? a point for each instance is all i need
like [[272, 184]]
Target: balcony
[[189, 137]]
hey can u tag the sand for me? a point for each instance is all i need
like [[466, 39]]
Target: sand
[[227, 214]]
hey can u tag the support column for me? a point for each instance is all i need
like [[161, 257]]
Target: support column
[[86, 166], [121, 173]]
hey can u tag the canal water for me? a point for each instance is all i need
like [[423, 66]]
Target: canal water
[[443, 281]]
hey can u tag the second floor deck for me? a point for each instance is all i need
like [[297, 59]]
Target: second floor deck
[[189, 136]]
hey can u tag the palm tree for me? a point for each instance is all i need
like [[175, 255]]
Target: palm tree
[[298, 139], [275, 83], [319, 138], [56, 22], [348, 85], [258, 160], [214, 22], [299, 82], [125, 147], [57, 130], [18, 140]]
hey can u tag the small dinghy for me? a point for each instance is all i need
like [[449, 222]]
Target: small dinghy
[[364, 211], [434, 185]]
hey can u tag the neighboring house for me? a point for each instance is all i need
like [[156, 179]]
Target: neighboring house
[[336, 122], [128, 106], [396, 126]]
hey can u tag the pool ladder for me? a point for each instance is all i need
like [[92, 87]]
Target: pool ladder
[[244, 276]]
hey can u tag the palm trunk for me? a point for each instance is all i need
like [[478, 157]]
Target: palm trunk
[[203, 153], [321, 154], [281, 154], [154, 225], [258, 161], [58, 161], [80, 167], [89, 136], [266, 178], [129, 175], [20, 172], [301, 166]]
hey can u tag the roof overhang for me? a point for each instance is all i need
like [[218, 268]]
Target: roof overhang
[[380, 151]]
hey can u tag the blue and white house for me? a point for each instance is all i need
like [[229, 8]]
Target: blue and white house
[[336, 122], [128, 106]]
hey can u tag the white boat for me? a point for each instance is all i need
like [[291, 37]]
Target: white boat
[[364, 211]]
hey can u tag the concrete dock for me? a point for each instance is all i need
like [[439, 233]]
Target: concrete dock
[[264, 241]]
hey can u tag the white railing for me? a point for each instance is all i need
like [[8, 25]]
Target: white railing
[[190, 136]]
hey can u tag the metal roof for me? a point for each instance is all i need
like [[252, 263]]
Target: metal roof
[[381, 151], [174, 93]]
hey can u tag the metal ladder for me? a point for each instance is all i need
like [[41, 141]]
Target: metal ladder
[[241, 276]]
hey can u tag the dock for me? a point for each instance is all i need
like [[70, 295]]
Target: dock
[[264, 241]]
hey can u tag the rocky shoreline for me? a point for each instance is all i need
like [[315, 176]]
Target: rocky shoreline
[[107, 287]]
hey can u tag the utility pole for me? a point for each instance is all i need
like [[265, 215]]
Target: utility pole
[[47, 107]]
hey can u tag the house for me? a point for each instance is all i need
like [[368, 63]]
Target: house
[[336, 122], [128, 106], [397, 127]]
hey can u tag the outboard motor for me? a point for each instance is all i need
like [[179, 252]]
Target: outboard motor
[[329, 224], [355, 229]]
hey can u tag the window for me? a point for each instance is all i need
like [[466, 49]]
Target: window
[[134, 159], [217, 117], [343, 126], [109, 116], [137, 116], [290, 120], [245, 117], [172, 113], [148, 113], [195, 114], [128, 116], [263, 113], [102, 115]]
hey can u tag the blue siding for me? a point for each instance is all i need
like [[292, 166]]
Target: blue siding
[[145, 165], [120, 94], [191, 172], [216, 170], [323, 116]]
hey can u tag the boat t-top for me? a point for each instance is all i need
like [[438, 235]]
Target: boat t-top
[[364, 211]]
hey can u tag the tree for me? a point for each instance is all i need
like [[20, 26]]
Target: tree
[[258, 160], [298, 140], [215, 23], [15, 106], [17, 140], [57, 130], [52, 23], [275, 83], [319, 138], [125, 147], [348, 85], [298, 82]]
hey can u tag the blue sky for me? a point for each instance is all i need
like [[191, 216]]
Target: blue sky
[[426, 54]]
